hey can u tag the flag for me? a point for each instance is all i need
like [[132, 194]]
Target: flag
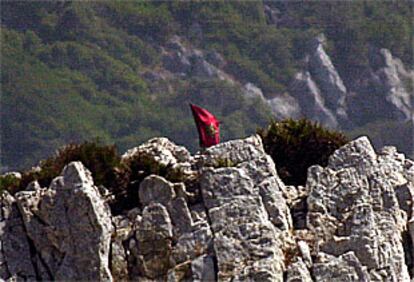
[[207, 126]]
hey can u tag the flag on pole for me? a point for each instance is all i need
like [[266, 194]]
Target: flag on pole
[[207, 126]]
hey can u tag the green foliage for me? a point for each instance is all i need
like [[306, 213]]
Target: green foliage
[[224, 163], [73, 70], [100, 159], [295, 145], [9, 182]]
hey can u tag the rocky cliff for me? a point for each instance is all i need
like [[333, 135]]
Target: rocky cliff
[[232, 220]]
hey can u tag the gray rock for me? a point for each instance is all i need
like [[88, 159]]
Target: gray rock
[[193, 244], [272, 15], [343, 268], [235, 151], [180, 272], [156, 189], [241, 201], [411, 232], [251, 91], [353, 207], [69, 226], [297, 272], [215, 59], [385, 91], [392, 77], [181, 216], [15, 254], [119, 262], [285, 106], [327, 78], [176, 63], [311, 100], [162, 152], [154, 242], [203, 269]]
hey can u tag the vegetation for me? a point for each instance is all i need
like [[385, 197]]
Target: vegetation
[[295, 145], [74, 70]]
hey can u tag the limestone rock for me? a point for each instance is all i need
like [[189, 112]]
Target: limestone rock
[[353, 207], [203, 269], [327, 78], [155, 189], [353, 221], [69, 226], [123, 230], [285, 106], [343, 268], [162, 152], [251, 91], [154, 242], [297, 272], [15, 253], [241, 203], [311, 101], [388, 85]]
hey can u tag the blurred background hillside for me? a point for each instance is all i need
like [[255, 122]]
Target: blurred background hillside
[[125, 71]]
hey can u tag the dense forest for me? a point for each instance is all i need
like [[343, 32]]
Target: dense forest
[[73, 71]]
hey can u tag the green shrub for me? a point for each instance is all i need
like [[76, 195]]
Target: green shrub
[[224, 163], [9, 182], [295, 145], [102, 160]]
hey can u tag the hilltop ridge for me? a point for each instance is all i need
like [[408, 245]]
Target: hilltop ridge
[[222, 215]]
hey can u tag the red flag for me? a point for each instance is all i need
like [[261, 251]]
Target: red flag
[[207, 126]]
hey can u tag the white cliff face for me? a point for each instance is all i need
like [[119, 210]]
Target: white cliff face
[[231, 219], [311, 101], [327, 78]]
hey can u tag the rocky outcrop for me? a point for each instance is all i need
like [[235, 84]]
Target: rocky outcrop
[[386, 91], [68, 226], [248, 215], [319, 89], [228, 217], [311, 101], [188, 61], [354, 210]]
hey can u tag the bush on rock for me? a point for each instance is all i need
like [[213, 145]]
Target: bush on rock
[[295, 145]]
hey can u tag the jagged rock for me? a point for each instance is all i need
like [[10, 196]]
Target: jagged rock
[[203, 269], [272, 15], [284, 106], [181, 272], [387, 87], [15, 247], [189, 61], [246, 243], [297, 272], [327, 78], [119, 263], [307, 93], [353, 207], [343, 268], [154, 242], [162, 152], [155, 189], [353, 221], [251, 91], [69, 226], [395, 86], [215, 59]]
